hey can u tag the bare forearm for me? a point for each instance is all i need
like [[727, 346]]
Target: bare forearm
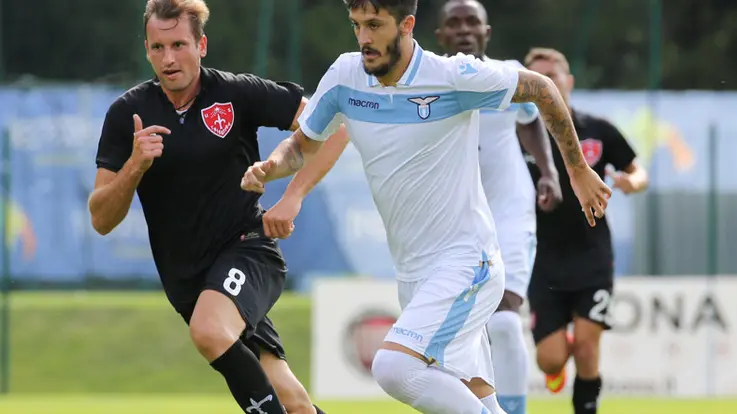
[[533, 87], [318, 166], [639, 180], [109, 204], [534, 140], [288, 157]]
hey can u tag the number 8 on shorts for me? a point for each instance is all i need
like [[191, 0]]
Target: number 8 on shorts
[[234, 282]]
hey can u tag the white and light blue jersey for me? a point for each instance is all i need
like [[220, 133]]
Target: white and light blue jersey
[[504, 173], [418, 142]]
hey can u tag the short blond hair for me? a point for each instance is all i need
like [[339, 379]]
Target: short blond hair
[[548, 55], [196, 10]]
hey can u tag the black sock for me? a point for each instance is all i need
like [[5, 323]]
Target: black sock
[[247, 381], [319, 411], [586, 395]]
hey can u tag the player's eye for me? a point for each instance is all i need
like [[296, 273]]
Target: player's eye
[[178, 45], [373, 26]]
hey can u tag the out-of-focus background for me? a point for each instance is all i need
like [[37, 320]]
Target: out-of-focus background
[[84, 327]]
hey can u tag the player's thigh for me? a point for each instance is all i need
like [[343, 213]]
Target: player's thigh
[[550, 313], [591, 318], [445, 319], [266, 339], [252, 277], [593, 304], [518, 252]]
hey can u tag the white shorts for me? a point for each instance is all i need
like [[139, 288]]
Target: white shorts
[[518, 251], [444, 317]]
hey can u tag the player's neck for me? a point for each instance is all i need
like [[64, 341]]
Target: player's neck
[[407, 46], [182, 100]]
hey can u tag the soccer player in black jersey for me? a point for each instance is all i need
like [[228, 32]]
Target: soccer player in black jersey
[[572, 278], [182, 141]]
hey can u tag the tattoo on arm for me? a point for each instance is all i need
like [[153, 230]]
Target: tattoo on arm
[[293, 158], [533, 87], [288, 157]]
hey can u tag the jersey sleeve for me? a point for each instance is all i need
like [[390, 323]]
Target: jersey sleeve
[[116, 139], [270, 103], [527, 113], [320, 118], [483, 84], [618, 152]]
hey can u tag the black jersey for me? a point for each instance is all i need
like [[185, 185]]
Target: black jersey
[[565, 239], [191, 195]]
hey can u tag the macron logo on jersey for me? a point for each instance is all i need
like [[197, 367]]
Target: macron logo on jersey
[[360, 103]]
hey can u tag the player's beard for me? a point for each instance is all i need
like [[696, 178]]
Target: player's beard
[[394, 52]]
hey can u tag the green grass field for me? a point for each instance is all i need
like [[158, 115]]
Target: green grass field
[[115, 353], [43, 404]]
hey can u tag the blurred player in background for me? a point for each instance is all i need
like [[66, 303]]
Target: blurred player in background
[[573, 275], [218, 269], [413, 117], [510, 192]]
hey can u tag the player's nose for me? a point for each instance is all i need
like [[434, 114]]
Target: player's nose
[[464, 28], [168, 58], [364, 37]]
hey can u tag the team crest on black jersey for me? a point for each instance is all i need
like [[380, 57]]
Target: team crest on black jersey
[[218, 118], [592, 149], [423, 105]]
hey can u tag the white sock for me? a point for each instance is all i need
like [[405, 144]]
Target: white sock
[[427, 389], [492, 404], [510, 358]]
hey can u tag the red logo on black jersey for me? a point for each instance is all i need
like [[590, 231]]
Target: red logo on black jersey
[[218, 118], [592, 149]]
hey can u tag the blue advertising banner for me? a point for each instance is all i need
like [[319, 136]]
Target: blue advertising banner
[[54, 133]]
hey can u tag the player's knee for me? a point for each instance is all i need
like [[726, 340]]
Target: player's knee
[[393, 371], [550, 363], [211, 339], [585, 350]]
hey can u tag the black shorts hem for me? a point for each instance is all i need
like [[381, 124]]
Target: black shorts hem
[[604, 325]]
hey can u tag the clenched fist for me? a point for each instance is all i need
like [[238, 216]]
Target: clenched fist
[[255, 177], [147, 143], [279, 220]]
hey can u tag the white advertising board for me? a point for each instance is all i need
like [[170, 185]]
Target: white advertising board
[[673, 336]]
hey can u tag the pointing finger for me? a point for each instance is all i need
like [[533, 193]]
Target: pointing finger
[[137, 123]]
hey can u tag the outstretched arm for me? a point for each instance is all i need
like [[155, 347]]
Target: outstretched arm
[[590, 190], [534, 87], [316, 157], [288, 158]]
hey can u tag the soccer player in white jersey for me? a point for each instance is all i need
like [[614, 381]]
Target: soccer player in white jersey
[[463, 28], [414, 118]]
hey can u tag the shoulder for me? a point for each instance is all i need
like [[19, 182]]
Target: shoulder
[[248, 84], [221, 78], [597, 125], [513, 63], [346, 66], [133, 98], [590, 120]]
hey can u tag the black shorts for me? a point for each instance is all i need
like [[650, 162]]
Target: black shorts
[[553, 309], [252, 273]]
